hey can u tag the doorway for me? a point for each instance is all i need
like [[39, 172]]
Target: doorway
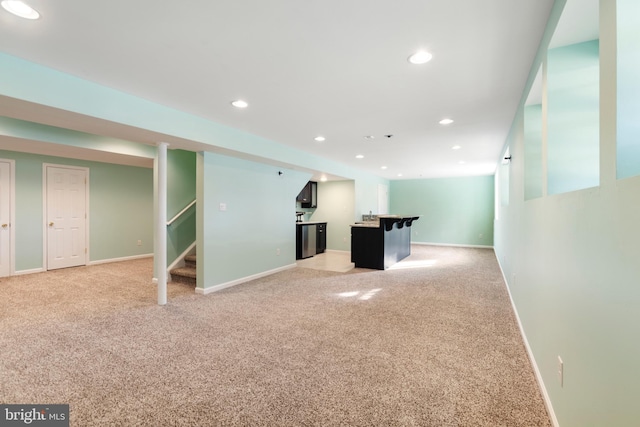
[[7, 192], [65, 206]]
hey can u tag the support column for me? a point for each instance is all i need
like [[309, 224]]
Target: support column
[[161, 224]]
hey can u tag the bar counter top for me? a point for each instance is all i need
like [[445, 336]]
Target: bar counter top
[[387, 220]]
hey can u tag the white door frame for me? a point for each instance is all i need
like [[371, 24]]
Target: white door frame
[[12, 215], [45, 234]]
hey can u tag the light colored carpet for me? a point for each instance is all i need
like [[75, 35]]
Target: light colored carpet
[[433, 344]]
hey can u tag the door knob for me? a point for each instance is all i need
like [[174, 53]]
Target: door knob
[[5, 225], [51, 224]]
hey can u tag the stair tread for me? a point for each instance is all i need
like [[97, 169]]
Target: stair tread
[[191, 258], [184, 271]]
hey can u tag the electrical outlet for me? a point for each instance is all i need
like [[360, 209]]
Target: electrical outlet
[[480, 236], [223, 206], [278, 251], [560, 371], [344, 239], [139, 242]]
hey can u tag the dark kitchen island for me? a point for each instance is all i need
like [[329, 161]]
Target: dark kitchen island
[[380, 244]]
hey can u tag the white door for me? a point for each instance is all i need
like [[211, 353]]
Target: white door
[[66, 216], [5, 218], [383, 199]]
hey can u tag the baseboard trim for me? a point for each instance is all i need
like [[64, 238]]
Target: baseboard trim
[[31, 271], [452, 244], [211, 289], [337, 251], [126, 258], [532, 359]]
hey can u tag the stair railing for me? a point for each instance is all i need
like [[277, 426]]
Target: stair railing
[[180, 259], [172, 220]]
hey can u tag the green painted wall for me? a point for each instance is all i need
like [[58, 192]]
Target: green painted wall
[[181, 191], [30, 131], [259, 219], [28, 207], [366, 190], [571, 262], [336, 206], [456, 211], [120, 209]]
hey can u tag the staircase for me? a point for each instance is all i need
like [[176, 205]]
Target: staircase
[[186, 274]]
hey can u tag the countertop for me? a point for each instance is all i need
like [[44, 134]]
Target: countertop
[[376, 223], [370, 224], [310, 222]]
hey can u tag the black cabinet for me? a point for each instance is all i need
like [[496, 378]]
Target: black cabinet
[[305, 194], [321, 238], [367, 247], [308, 197]]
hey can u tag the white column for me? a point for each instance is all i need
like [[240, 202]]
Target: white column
[[161, 226]]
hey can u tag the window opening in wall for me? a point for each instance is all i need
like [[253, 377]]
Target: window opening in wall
[[573, 100], [628, 69], [533, 140]]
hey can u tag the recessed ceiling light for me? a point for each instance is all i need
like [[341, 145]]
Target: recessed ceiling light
[[461, 162], [323, 178], [369, 137], [383, 167], [456, 147], [319, 138], [239, 103], [20, 9], [399, 174], [420, 57], [445, 121], [359, 156]]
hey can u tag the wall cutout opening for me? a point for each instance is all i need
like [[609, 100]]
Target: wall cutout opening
[[533, 170], [573, 100], [628, 38]]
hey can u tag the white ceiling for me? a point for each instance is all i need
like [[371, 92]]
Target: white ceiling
[[307, 68]]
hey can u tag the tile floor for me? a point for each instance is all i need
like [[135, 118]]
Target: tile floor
[[339, 261]]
